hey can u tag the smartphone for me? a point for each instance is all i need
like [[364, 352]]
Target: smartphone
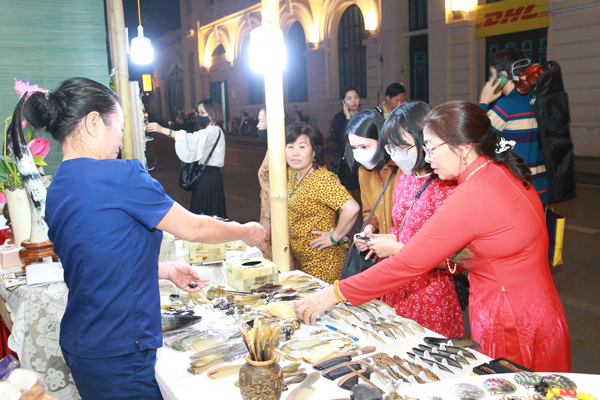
[[343, 102], [503, 79], [365, 238]]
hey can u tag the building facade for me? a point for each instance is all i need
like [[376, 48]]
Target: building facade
[[438, 54]]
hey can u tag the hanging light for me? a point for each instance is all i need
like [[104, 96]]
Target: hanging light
[[267, 47], [141, 47]]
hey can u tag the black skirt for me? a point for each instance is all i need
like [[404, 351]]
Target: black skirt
[[208, 197]]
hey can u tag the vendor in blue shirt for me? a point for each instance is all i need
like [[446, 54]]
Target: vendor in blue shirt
[[105, 218]]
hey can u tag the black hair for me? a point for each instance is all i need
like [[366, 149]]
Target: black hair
[[61, 111], [408, 116], [394, 90], [504, 58], [347, 89], [459, 123], [213, 109], [367, 124], [297, 129]]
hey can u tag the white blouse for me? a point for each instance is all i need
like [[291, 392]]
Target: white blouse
[[195, 146]]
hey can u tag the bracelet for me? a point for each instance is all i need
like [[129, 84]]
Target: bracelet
[[450, 269], [170, 132], [333, 240], [265, 217], [336, 290]]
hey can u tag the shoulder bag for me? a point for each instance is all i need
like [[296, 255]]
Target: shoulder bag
[[355, 262], [191, 172]]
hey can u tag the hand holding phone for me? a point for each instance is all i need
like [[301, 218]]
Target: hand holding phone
[[365, 238]]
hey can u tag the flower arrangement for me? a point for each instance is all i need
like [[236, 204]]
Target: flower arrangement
[[38, 147]]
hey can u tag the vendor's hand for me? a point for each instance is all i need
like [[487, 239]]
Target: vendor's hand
[[256, 235], [487, 95], [384, 247], [182, 275], [155, 127], [322, 241], [361, 245], [309, 308]]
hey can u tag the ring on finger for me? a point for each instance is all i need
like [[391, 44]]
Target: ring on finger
[[306, 311]]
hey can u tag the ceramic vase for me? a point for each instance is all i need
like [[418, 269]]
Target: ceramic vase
[[19, 211], [261, 380]]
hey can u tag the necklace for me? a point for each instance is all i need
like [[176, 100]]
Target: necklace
[[294, 186], [478, 168]]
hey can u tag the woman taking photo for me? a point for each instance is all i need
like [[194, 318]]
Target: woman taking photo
[[105, 217], [430, 299], [314, 196], [514, 309], [208, 196]]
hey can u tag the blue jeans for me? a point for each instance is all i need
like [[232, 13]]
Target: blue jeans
[[130, 376]]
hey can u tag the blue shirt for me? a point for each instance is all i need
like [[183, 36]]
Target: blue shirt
[[101, 216], [513, 118]]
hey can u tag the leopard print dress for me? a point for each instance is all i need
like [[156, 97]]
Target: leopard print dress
[[312, 205]]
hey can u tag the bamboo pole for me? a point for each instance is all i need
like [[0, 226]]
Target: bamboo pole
[[118, 54], [277, 163]]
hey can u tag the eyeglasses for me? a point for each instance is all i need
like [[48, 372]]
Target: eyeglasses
[[391, 149], [429, 152]]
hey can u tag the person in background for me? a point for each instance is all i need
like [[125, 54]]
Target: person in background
[[314, 196], [494, 215], [394, 96], [513, 118], [209, 195], [374, 169], [105, 218], [263, 180], [430, 299], [350, 105]]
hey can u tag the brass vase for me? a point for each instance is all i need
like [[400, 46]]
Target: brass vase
[[261, 380]]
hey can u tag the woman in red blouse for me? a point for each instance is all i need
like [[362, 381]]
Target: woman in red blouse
[[514, 309]]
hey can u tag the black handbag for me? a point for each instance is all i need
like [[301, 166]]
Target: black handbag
[[191, 172], [355, 261]]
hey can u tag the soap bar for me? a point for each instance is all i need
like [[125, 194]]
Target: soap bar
[[9, 257]]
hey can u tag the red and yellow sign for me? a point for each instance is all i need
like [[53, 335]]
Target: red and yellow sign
[[510, 16]]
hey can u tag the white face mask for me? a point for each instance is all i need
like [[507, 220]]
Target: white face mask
[[405, 162], [364, 157]]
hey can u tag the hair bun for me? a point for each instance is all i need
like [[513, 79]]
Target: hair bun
[[42, 110]]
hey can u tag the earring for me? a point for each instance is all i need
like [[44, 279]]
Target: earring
[[314, 158]]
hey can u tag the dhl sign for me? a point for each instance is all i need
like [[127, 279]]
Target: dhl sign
[[510, 16]]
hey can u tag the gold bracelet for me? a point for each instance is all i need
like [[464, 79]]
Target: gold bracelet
[[336, 290]]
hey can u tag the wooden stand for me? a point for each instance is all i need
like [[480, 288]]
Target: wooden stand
[[36, 252]]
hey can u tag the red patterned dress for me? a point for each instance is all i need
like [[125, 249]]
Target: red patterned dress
[[429, 299]]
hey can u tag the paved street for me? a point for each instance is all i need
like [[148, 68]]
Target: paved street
[[577, 280]]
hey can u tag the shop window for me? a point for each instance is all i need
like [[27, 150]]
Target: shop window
[[175, 92], [417, 14], [256, 82], [419, 75], [296, 64], [352, 52]]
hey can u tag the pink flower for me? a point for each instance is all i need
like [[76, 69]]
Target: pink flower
[[2, 198], [39, 147], [22, 87]]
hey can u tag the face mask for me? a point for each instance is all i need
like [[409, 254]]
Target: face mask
[[364, 157], [262, 134], [405, 162], [203, 121]]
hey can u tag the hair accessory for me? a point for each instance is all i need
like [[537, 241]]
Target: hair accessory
[[47, 94], [503, 145]]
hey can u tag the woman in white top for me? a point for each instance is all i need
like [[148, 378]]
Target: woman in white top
[[209, 196]]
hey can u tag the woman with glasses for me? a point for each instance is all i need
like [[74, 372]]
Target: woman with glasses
[[430, 299], [208, 197], [374, 169], [496, 216]]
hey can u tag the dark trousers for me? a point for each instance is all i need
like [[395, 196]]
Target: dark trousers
[[130, 376]]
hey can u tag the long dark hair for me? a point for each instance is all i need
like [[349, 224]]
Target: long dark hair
[[408, 116], [60, 111], [459, 123], [213, 109], [295, 130], [367, 124]]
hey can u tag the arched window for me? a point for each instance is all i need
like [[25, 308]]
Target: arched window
[[352, 53], [256, 82], [218, 50], [296, 64], [175, 92]]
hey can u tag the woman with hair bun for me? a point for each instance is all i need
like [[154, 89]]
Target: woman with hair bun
[[498, 218], [105, 217]]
